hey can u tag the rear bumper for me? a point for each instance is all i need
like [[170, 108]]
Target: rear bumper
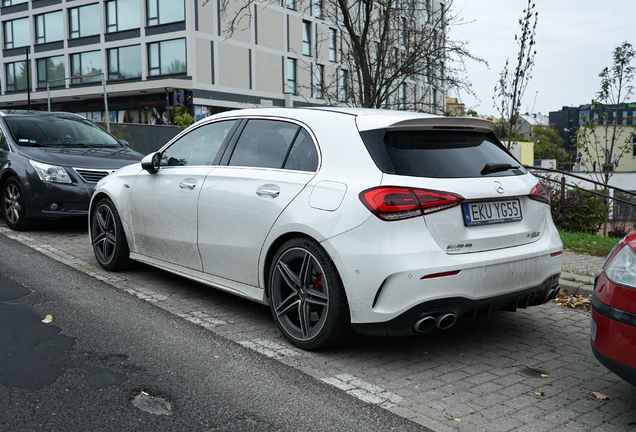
[[462, 307], [401, 272]]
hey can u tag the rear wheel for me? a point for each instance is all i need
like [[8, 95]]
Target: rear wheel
[[108, 237], [307, 298], [13, 208]]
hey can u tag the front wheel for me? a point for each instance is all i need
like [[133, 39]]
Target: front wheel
[[108, 237], [307, 298], [13, 206]]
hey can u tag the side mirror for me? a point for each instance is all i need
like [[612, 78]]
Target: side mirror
[[123, 142], [151, 162]]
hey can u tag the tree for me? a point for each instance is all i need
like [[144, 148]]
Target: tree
[[388, 53], [601, 140], [548, 144], [512, 85]]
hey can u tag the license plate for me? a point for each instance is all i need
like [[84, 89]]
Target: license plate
[[491, 212]]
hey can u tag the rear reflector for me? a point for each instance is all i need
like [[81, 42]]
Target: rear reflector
[[436, 275], [392, 203], [556, 254]]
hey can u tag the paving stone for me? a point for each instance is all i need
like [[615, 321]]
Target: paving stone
[[473, 366]]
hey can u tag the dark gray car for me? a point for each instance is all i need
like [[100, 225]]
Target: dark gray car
[[50, 163]]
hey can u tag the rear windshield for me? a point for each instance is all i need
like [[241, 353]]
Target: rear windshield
[[439, 154], [58, 131]]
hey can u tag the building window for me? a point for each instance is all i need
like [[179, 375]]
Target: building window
[[12, 2], [17, 33], [124, 63], [306, 38], [291, 76], [343, 85], [319, 81], [122, 15], [167, 57], [165, 11], [83, 21], [318, 9], [16, 76], [333, 43], [51, 70], [49, 27], [291, 4], [86, 67], [402, 97]]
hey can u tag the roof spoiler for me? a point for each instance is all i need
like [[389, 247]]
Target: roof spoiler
[[444, 123]]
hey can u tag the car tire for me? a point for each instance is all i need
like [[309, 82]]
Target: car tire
[[307, 297], [108, 237], [13, 207]]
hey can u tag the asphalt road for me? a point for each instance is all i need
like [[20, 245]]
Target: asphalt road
[[109, 361]]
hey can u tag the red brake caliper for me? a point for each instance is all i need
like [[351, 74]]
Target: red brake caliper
[[318, 284]]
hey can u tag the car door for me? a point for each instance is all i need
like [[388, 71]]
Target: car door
[[164, 213], [270, 164]]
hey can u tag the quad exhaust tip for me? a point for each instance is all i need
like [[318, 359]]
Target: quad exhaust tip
[[430, 322]]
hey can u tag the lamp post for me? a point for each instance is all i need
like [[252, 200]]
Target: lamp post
[[28, 71], [103, 75]]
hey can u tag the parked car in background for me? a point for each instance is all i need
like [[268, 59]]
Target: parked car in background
[[613, 323], [51, 162], [383, 222]]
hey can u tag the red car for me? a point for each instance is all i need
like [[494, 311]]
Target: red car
[[613, 324]]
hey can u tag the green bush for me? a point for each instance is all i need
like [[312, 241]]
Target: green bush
[[579, 211], [184, 120], [575, 210]]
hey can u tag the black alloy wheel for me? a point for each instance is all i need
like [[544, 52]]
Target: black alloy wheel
[[13, 209], [307, 298], [108, 237]]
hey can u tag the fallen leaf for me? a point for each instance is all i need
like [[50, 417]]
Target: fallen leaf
[[600, 396], [85, 271], [217, 356], [539, 393], [545, 376], [47, 319], [458, 419]]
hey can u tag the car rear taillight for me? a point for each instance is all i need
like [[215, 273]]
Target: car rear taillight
[[392, 203], [540, 193]]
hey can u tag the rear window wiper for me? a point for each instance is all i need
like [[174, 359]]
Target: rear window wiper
[[497, 167]]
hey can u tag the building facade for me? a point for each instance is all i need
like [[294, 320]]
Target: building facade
[[153, 56], [568, 119]]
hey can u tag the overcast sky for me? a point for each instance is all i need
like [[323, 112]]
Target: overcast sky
[[575, 41]]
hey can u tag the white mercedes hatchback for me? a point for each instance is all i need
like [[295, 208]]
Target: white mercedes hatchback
[[341, 220]]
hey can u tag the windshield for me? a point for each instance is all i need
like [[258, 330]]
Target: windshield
[[58, 131]]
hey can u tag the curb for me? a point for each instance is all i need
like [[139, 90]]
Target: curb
[[576, 287]]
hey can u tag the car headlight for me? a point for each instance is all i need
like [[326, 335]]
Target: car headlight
[[50, 173], [622, 268]]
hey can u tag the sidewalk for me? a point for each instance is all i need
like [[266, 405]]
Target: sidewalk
[[579, 271]]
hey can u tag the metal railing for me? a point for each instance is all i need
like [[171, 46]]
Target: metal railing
[[565, 185]]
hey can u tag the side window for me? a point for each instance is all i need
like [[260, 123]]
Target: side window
[[263, 144], [199, 147], [3, 142], [303, 155]]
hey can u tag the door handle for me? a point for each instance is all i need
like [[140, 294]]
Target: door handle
[[270, 190], [188, 183]]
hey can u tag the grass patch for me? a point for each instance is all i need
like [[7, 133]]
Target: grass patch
[[590, 244]]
